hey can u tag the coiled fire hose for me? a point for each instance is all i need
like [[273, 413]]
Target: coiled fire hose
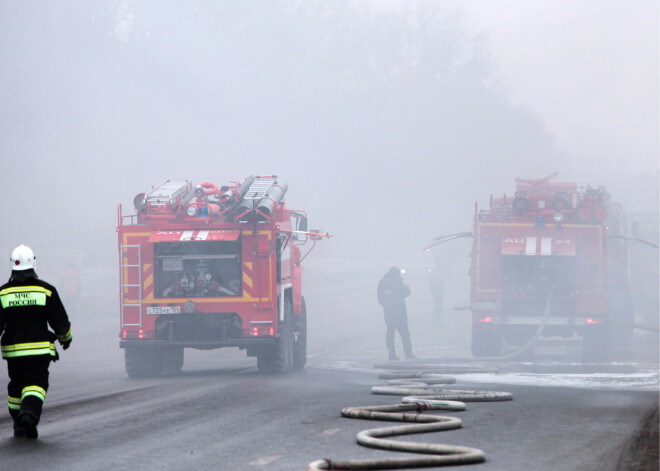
[[420, 395], [416, 387]]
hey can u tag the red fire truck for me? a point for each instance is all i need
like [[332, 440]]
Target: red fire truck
[[549, 261], [207, 267]]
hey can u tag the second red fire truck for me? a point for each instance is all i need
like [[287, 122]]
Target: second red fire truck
[[549, 260], [207, 267]]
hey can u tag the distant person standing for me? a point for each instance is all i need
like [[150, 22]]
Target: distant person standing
[[70, 287], [437, 287], [392, 294], [28, 306]]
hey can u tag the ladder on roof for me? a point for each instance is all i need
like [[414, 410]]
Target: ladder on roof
[[167, 192], [259, 189]]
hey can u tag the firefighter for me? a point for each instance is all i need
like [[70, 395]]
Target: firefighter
[[28, 306], [392, 294]]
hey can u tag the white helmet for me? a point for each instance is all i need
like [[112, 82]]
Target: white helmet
[[22, 258]]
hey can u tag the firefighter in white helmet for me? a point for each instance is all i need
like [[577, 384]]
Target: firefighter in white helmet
[[28, 306]]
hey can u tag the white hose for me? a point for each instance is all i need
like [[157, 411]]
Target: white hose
[[422, 398], [420, 395], [445, 394]]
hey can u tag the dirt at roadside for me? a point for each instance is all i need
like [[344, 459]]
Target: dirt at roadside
[[642, 452]]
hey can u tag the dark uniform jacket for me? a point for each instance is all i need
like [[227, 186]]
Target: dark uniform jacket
[[391, 295], [27, 308]]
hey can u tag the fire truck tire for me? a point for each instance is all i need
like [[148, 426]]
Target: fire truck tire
[[300, 338], [278, 359], [486, 343], [172, 360], [143, 362]]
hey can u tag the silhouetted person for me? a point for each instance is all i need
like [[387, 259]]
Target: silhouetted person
[[392, 294]]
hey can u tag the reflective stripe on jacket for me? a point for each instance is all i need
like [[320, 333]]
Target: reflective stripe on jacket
[[27, 349]]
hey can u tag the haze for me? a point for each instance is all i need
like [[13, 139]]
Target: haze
[[387, 119]]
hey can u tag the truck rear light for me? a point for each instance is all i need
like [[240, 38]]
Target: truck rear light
[[592, 321], [140, 334], [486, 319], [259, 332], [129, 334]]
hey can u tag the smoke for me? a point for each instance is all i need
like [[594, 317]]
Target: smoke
[[385, 123], [387, 119]]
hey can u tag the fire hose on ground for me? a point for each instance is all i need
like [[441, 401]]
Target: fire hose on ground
[[420, 394]]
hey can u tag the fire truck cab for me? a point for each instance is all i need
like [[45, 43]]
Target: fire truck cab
[[207, 267], [548, 261]]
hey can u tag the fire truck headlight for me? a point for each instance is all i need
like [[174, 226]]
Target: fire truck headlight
[[189, 307], [191, 211], [558, 217]]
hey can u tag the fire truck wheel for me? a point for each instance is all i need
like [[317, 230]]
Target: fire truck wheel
[[143, 362], [278, 359], [172, 360], [300, 338], [486, 343]]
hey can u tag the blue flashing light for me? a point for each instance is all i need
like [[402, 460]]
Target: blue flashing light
[[204, 211], [540, 221]]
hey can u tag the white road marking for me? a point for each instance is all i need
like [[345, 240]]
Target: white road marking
[[264, 460], [330, 431]]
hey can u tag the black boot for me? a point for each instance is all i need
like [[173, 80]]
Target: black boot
[[29, 424], [19, 430]]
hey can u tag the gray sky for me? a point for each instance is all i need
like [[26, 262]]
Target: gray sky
[[589, 68], [387, 118]]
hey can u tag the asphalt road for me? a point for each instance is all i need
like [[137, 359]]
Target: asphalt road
[[220, 413], [232, 418]]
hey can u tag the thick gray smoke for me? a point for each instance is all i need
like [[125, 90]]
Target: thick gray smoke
[[387, 123]]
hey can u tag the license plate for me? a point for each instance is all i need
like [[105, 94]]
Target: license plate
[[164, 310]]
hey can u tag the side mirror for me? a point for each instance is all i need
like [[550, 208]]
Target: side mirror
[[302, 224]]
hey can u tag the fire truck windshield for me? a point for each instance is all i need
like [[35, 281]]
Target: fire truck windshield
[[197, 269]]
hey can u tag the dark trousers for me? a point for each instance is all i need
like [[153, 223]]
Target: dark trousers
[[28, 383], [397, 323]]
